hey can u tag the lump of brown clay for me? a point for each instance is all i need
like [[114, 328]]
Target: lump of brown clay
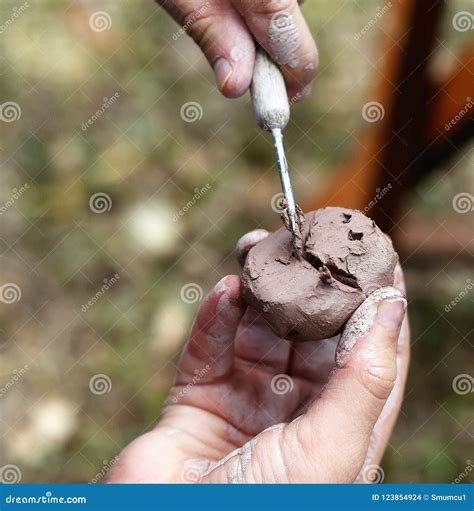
[[310, 296]]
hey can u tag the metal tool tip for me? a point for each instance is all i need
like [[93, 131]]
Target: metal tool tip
[[285, 179]]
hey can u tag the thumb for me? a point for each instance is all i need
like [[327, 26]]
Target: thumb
[[347, 410], [329, 443]]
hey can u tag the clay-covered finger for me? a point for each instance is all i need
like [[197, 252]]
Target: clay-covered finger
[[209, 351], [384, 427], [344, 416], [248, 241], [280, 28]]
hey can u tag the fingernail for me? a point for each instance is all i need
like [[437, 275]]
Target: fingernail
[[247, 242], [390, 314], [221, 286], [223, 72]]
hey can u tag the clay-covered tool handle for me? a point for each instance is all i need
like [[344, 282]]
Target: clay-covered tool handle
[[268, 91]]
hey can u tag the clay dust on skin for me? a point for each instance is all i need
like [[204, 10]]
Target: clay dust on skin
[[237, 463], [284, 39], [227, 312], [391, 405], [361, 322]]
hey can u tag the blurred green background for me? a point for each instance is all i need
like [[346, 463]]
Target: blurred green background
[[61, 249]]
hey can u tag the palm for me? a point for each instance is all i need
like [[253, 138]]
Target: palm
[[235, 379], [271, 381]]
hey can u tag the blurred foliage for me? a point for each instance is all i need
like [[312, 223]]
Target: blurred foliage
[[149, 161]]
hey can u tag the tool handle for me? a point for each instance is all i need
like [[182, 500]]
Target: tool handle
[[268, 91]]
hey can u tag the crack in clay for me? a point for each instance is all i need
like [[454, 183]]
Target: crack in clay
[[328, 270], [345, 278], [284, 39]]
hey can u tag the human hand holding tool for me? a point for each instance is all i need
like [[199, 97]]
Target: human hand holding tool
[[265, 44], [272, 113], [227, 31]]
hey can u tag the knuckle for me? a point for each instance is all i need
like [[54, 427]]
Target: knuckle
[[273, 458], [378, 380], [204, 24], [198, 24], [198, 13]]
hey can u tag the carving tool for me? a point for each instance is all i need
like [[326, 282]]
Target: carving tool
[[272, 113]]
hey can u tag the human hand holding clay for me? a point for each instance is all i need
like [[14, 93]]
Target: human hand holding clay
[[227, 30], [249, 406]]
